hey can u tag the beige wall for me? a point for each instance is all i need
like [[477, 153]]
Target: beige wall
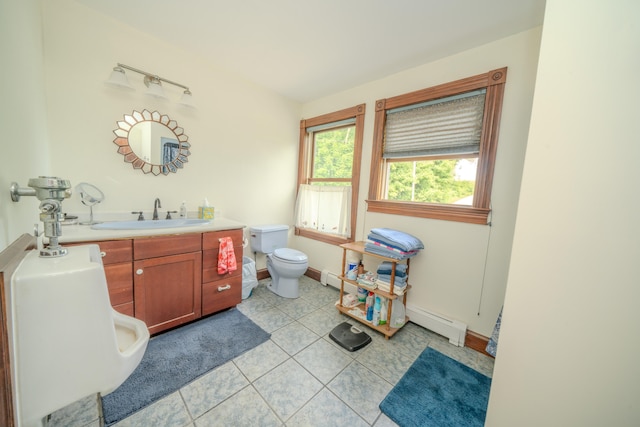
[[245, 148], [568, 352], [463, 270], [25, 148], [241, 134]]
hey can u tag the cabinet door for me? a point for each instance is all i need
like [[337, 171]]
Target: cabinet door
[[168, 290], [120, 284]]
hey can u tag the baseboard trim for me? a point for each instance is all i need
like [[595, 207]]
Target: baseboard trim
[[477, 342]]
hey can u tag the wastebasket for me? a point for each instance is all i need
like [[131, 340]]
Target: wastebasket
[[249, 276]]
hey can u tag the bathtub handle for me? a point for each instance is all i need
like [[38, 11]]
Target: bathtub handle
[[224, 288], [139, 271]]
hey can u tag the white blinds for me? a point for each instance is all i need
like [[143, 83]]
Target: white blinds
[[451, 125]]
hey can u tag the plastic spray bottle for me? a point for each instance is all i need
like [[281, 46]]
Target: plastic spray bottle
[[369, 306]]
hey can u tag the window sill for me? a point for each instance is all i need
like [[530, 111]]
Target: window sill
[[466, 214], [322, 237]]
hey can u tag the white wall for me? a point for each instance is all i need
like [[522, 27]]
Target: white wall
[[25, 152], [241, 134], [449, 277], [570, 337]]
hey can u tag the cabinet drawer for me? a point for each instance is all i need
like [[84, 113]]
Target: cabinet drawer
[[210, 248], [120, 282], [221, 294], [112, 251], [152, 247], [211, 240]]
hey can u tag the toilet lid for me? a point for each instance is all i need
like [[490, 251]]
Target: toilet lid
[[289, 254]]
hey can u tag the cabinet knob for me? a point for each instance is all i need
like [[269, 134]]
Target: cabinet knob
[[224, 288], [139, 271], [103, 254]]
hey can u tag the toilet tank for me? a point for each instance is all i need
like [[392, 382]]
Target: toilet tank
[[266, 238]]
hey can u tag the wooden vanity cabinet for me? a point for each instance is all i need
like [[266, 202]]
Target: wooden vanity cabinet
[[220, 291], [117, 258], [167, 280]]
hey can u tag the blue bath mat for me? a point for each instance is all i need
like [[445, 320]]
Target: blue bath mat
[[437, 391], [177, 357]]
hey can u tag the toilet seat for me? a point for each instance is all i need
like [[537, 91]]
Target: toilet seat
[[290, 255]]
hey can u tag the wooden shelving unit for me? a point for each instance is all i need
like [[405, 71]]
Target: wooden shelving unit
[[386, 329]]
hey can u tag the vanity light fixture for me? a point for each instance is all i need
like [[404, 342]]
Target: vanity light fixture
[[152, 81]]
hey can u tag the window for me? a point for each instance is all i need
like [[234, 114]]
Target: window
[[329, 175], [434, 150]]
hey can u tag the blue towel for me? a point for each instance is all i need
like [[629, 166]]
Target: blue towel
[[385, 267], [397, 238], [370, 247]]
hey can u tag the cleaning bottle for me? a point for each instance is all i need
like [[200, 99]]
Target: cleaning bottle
[[369, 306], [183, 209], [397, 313], [383, 310], [375, 319]]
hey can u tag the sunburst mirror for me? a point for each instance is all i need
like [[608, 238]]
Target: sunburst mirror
[[152, 142]]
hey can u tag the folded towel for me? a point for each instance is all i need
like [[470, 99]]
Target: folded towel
[[397, 238], [398, 290], [386, 267], [226, 256], [385, 250]]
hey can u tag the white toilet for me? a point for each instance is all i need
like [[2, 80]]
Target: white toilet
[[285, 265], [68, 343]]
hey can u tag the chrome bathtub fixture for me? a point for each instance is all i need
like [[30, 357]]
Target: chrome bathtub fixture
[[51, 191]]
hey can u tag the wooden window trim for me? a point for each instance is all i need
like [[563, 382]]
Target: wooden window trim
[[494, 82], [356, 112]]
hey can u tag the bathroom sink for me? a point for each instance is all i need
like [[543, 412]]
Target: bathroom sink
[[149, 225]]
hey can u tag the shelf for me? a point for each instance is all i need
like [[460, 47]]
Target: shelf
[[380, 292], [359, 247], [386, 330]]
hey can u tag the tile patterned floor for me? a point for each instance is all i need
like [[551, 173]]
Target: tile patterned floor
[[300, 377]]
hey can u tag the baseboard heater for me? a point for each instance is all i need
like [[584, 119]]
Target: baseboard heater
[[452, 329]]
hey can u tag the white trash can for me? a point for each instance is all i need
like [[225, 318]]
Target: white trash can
[[249, 276]]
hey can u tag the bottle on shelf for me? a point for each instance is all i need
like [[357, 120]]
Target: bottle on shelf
[[375, 318], [369, 306]]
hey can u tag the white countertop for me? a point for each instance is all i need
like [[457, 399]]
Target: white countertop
[[84, 233]]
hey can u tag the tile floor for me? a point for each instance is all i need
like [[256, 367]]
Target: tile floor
[[300, 377]]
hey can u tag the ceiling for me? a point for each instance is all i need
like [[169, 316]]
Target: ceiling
[[306, 50]]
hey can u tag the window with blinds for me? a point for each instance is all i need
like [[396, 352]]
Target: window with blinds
[[434, 150], [452, 125]]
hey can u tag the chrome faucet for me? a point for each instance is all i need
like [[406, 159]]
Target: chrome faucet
[[156, 205]]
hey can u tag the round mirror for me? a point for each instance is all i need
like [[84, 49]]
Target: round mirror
[[90, 195], [152, 142]]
